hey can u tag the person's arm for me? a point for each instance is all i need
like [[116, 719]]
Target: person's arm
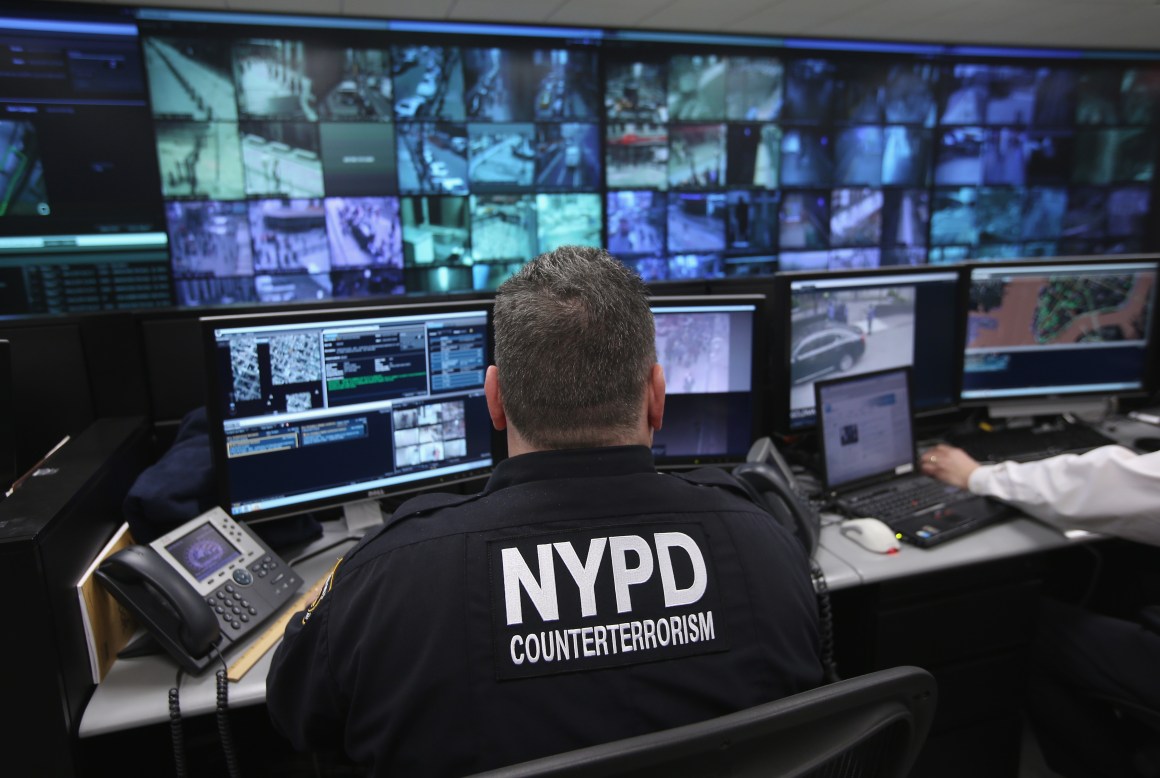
[[1110, 490], [300, 691]]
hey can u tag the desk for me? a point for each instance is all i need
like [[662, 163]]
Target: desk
[[135, 692], [964, 610], [889, 609], [1012, 538]]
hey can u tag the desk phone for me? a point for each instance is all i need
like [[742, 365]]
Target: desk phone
[[207, 584]]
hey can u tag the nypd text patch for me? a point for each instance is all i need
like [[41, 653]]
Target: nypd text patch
[[602, 597]]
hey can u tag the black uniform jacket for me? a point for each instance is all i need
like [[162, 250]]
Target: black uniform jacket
[[582, 597]]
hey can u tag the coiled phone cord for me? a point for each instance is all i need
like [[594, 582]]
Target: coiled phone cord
[[225, 733], [825, 622], [176, 733]]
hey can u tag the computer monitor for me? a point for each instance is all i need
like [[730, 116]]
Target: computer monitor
[[316, 409], [1058, 335], [709, 347], [82, 223], [829, 324], [8, 467]]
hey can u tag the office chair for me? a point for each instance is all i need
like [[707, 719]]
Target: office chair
[[871, 726]]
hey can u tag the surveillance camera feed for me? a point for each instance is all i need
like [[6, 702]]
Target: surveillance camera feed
[[847, 324], [706, 347], [1036, 330], [723, 158]]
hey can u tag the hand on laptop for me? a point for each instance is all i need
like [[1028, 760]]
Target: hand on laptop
[[949, 464]]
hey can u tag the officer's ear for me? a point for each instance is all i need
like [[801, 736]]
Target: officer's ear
[[494, 399], [656, 397]]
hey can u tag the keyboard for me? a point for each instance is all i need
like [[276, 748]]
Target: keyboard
[[902, 500], [1026, 444]]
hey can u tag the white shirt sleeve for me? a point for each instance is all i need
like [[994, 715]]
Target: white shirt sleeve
[[1110, 490]]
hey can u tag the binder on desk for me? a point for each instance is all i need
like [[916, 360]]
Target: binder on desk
[[108, 626]]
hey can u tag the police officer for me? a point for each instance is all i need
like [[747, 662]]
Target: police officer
[[581, 597]]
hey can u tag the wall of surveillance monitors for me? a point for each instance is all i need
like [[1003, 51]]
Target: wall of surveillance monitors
[[179, 158]]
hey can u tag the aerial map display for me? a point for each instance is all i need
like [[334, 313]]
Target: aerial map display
[[1059, 310]]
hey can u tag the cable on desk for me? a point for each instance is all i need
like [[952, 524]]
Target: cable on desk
[[176, 733], [225, 733]]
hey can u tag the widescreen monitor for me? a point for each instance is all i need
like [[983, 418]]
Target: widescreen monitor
[[831, 324], [310, 410], [8, 466], [1036, 331], [82, 225], [708, 347]]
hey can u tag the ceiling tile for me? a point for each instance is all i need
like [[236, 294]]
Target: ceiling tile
[[789, 18], [699, 14], [606, 13], [324, 7], [1091, 26], [500, 10], [406, 9], [985, 12]]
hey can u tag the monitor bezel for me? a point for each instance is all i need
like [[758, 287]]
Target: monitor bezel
[[298, 315], [1026, 404], [781, 340]]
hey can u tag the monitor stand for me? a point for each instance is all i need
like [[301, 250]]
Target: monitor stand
[[361, 516]]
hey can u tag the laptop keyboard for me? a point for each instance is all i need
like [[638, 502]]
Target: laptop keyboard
[[1022, 445], [903, 502]]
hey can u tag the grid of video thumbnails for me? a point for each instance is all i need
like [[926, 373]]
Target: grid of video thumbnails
[[305, 163], [429, 433], [308, 167], [739, 165]]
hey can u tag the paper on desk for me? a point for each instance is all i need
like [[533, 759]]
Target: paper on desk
[[108, 626]]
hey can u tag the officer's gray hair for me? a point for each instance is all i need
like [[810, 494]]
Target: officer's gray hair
[[574, 344]]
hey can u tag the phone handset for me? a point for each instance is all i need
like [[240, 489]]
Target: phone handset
[[165, 605], [210, 582], [767, 472]]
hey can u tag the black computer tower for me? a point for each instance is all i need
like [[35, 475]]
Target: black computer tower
[[51, 528]]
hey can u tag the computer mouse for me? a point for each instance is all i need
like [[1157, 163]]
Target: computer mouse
[[871, 534]]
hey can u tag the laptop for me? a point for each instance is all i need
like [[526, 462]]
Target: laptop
[[870, 465]]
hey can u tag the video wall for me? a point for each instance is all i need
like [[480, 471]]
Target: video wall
[[166, 157]]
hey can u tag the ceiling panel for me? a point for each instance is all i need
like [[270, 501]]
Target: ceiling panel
[[606, 13], [531, 11], [691, 14], [789, 18], [327, 7], [409, 9]]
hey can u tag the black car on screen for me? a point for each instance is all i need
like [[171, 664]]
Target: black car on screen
[[835, 348]]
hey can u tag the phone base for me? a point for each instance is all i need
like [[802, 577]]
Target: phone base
[[141, 644]]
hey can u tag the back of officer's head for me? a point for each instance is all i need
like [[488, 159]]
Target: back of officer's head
[[574, 344]]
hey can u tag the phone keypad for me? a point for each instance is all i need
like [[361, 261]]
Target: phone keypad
[[232, 609]]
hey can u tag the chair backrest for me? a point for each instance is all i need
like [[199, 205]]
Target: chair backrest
[[869, 726]]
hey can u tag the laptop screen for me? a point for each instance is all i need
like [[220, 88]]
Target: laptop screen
[[865, 426]]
